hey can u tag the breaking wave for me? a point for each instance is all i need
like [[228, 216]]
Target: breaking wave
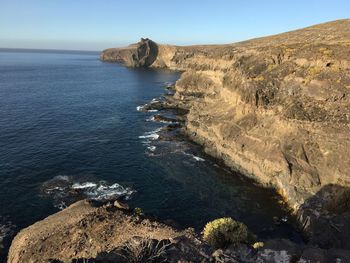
[[152, 135], [197, 158], [151, 148], [153, 119], [142, 108], [65, 190]]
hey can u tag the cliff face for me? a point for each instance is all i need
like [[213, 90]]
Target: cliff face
[[142, 54], [275, 108]]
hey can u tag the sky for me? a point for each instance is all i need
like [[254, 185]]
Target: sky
[[100, 24]]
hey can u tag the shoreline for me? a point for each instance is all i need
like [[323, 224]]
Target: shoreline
[[302, 218], [274, 108], [277, 109], [169, 103]]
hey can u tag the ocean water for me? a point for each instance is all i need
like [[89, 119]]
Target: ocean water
[[70, 129]]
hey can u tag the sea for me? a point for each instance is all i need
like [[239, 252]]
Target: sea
[[71, 128]]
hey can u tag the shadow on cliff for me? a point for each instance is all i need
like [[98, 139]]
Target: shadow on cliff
[[325, 217], [144, 55]]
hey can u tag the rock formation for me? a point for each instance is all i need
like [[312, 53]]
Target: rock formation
[[275, 108], [97, 233], [142, 54], [102, 233]]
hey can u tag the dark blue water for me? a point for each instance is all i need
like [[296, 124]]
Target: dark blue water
[[68, 120]]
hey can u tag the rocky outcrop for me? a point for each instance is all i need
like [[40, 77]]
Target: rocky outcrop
[[102, 233], [142, 54], [275, 108]]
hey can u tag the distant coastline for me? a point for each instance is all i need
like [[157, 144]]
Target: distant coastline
[[56, 51]]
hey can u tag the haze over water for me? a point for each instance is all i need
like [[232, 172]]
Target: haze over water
[[69, 129]]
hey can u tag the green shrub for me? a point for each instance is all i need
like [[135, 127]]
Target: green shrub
[[225, 231], [138, 211]]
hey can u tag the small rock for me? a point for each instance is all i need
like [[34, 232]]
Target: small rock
[[220, 257], [314, 255], [121, 205]]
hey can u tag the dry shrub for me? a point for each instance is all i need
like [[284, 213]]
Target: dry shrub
[[144, 250]]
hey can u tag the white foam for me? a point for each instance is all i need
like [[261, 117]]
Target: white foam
[[142, 108], [84, 185], [168, 122], [102, 191], [54, 189], [151, 148], [161, 121], [6, 229], [60, 188], [197, 158], [105, 192], [152, 136]]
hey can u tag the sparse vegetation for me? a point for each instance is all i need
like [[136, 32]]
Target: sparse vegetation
[[259, 78], [325, 51], [144, 250], [271, 67], [138, 211], [225, 231], [312, 73]]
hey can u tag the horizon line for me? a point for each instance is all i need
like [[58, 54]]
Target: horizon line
[[47, 49]]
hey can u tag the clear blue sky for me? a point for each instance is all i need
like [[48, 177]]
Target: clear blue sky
[[98, 24]]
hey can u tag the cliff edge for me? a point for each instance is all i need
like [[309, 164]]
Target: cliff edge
[[104, 233], [275, 108], [278, 110]]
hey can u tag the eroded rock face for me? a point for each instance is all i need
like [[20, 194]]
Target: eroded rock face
[[142, 54], [275, 108]]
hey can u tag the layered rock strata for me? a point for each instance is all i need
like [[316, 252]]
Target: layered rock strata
[[275, 108]]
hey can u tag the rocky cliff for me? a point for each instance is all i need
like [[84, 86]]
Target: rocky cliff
[[95, 232], [275, 108], [142, 54], [90, 231]]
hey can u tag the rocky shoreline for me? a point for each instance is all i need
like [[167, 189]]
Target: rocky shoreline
[[102, 232], [321, 227], [277, 109], [109, 231]]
